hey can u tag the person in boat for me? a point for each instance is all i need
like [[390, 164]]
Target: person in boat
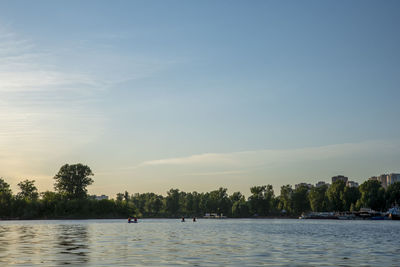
[[129, 219], [194, 219], [135, 220], [183, 219]]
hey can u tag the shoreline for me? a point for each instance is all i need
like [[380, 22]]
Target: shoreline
[[146, 218]]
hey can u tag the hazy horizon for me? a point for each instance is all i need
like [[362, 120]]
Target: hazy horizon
[[199, 95]]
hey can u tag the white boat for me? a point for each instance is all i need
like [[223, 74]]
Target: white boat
[[214, 216]]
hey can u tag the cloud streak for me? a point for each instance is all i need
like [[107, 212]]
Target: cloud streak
[[22, 68], [259, 158]]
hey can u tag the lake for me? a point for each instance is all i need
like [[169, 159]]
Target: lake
[[226, 242]]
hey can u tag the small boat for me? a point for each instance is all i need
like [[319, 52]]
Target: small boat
[[377, 218], [394, 213], [214, 216], [132, 220], [319, 216], [369, 214]]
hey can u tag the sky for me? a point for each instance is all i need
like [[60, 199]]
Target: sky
[[197, 95]]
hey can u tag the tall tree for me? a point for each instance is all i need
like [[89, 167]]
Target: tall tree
[[335, 195], [350, 197], [300, 200], [28, 190], [172, 202], [372, 195], [285, 199], [72, 180], [126, 196], [240, 208], [220, 202], [261, 199], [120, 197], [393, 194], [318, 199], [5, 198]]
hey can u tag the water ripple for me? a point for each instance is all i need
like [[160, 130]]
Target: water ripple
[[205, 243]]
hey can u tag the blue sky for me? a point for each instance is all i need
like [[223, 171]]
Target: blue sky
[[196, 95]]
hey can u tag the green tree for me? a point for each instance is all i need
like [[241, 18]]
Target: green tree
[[196, 200], [236, 196], [219, 201], [350, 197], [120, 197], [285, 199], [240, 208], [5, 188], [393, 194], [28, 190], [372, 195], [300, 200], [261, 199], [335, 195], [5, 198], [126, 196], [72, 180], [172, 202], [318, 199]]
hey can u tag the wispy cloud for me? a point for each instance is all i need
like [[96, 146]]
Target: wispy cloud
[[208, 158], [22, 68], [259, 158], [243, 169], [213, 173], [28, 80]]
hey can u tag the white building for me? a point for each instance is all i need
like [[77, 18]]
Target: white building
[[351, 184], [100, 197], [386, 179]]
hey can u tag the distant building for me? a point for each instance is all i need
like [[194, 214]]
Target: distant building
[[386, 179], [383, 178], [321, 183], [99, 197], [303, 184], [393, 178], [339, 178], [351, 184]]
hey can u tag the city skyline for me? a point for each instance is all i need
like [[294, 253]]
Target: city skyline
[[196, 96]]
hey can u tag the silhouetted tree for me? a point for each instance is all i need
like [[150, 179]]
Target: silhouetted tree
[[72, 180], [5, 198], [28, 190]]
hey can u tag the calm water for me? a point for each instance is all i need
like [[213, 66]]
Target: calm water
[[204, 243]]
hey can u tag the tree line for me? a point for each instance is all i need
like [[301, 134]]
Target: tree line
[[70, 200]]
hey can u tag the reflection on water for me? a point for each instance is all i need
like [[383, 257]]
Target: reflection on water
[[4, 243], [73, 244], [43, 243], [204, 243]]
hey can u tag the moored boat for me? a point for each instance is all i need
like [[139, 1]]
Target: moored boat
[[394, 213], [319, 215], [214, 216]]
